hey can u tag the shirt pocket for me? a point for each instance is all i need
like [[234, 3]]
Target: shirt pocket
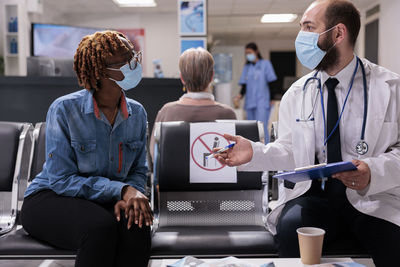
[[85, 152], [132, 151]]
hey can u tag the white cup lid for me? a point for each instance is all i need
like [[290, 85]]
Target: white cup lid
[[310, 231]]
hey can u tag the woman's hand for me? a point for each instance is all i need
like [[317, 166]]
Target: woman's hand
[[240, 154], [137, 207], [120, 205]]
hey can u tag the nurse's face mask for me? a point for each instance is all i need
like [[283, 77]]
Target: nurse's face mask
[[251, 57], [307, 50], [132, 72]]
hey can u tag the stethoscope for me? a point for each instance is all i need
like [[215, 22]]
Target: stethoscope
[[362, 146]]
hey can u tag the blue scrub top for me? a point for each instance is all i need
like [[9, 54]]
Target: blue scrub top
[[256, 77]]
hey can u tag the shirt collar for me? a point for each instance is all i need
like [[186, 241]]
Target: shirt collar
[[90, 105], [198, 95], [344, 76]]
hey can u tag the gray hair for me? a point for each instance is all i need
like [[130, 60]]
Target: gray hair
[[197, 68]]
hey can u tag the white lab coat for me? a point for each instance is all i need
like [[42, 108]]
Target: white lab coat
[[295, 146]]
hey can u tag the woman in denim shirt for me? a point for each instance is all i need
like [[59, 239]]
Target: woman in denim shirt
[[90, 195]]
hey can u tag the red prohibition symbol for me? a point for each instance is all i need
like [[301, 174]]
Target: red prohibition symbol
[[199, 140]]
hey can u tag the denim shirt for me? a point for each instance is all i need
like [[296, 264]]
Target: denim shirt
[[86, 157]]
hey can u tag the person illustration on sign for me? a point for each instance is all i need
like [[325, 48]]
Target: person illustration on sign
[[205, 155], [216, 142]]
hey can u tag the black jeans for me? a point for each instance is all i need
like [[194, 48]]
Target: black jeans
[[87, 227], [380, 238]]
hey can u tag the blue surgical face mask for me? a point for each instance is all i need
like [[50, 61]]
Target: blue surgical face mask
[[251, 57], [131, 77], [307, 50]]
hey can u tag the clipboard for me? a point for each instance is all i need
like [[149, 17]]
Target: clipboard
[[315, 171]]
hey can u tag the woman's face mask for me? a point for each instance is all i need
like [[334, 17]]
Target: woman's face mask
[[132, 72], [307, 50]]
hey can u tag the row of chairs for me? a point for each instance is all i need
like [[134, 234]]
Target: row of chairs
[[203, 220], [192, 219], [21, 159]]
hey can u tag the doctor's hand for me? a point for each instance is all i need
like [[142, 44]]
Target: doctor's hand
[[358, 179], [240, 154]]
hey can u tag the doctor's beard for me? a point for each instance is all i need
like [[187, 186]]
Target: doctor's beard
[[331, 57]]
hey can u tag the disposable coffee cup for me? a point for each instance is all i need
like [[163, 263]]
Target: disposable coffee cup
[[310, 243]]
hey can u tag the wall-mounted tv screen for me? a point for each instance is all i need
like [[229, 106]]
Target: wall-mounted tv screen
[[57, 41]]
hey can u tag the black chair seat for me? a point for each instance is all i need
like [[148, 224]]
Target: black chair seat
[[19, 244], [215, 241]]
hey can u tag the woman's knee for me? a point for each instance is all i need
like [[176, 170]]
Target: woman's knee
[[101, 231], [104, 226]]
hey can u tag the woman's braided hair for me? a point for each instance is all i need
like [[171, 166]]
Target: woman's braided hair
[[89, 59]]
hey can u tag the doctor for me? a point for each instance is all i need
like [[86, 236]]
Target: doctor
[[365, 203]]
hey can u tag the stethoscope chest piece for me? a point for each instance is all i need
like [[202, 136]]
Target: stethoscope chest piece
[[362, 147]]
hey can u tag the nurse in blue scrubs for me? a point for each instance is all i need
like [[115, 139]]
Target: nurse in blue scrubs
[[255, 79]]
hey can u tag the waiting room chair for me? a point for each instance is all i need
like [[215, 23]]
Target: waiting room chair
[[38, 150], [14, 140], [206, 219], [18, 244]]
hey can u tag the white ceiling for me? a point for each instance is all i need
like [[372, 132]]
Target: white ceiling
[[227, 19]]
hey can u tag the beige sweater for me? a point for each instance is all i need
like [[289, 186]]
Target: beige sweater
[[192, 110]]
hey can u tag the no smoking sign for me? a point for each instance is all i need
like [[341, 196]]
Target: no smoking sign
[[204, 137]]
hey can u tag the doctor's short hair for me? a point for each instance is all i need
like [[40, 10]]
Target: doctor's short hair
[[90, 56], [343, 11], [197, 69]]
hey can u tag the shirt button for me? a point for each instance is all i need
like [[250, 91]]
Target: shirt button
[[50, 155], [82, 148]]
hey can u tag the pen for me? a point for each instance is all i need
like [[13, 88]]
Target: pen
[[221, 150]]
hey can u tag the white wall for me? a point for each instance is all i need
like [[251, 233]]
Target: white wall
[[265, 47], [2, 26], [389, 35], [161, 34]]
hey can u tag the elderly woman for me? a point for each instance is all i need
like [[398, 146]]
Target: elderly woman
[[95, 162], [197, 105]]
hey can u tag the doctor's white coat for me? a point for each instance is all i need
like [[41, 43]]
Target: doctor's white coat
[[295, 146]]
